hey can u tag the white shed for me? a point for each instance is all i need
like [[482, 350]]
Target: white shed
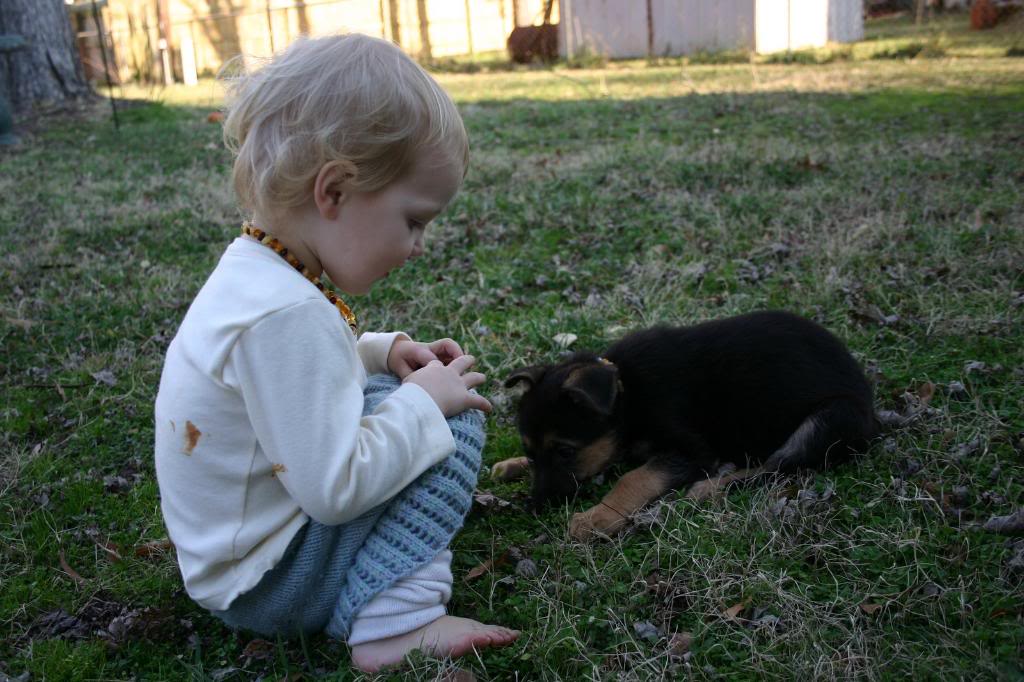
[[637, 28]]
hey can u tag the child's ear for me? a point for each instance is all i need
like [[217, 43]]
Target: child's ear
[[333, 183]]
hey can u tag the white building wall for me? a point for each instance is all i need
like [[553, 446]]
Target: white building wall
[[771, 25], [808, 23], [618, 28], [615, 28], [688, 26], [800, 24], [845, 21]]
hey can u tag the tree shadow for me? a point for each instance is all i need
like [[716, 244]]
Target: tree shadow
[[220, 26]]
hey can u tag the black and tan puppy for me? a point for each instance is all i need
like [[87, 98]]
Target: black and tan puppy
[[767, 391]]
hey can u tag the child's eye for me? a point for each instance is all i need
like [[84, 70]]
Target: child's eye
[[416, 224]]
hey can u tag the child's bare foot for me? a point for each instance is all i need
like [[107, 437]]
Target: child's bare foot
[[448, 636]]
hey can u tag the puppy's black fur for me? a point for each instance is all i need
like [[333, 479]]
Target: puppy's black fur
[[770, 390]]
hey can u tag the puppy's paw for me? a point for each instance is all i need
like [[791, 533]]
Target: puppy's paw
[[600, 520], [511, 469], [702, 490]]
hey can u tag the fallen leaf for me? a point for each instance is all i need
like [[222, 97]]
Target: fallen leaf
[[512, 553], [526, 568], [963, 450], [646, 630], [18, 322], [105, 376], [59, 624], [154, 548], [1001, 613], [479, 570], [925, 392], [871, 608], [975, 366], [1011, 524], [508, 582], [112, 551], [807, 163], [258, 650], [488, 500], [733, 612], [694, 271], [215, 117], [680, 644], [565, 339], [872, 313], [71, 573], [114, 483], [957, 391]]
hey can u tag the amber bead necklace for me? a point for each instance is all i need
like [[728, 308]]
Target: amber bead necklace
[[282, 250]]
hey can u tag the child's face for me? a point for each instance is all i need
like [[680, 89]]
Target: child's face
[[379, 231]]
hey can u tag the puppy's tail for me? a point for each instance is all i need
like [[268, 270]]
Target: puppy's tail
[[827, 437]]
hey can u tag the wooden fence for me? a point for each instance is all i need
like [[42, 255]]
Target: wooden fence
[[179, 40]]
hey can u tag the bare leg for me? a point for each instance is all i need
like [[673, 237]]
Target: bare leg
[[446, 637]]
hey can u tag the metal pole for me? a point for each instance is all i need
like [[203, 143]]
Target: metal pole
[[650, 31], [106, 68]]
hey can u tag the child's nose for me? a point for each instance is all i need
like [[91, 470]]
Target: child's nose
[[417, 247]]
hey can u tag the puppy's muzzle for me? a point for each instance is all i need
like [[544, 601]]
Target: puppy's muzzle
[[549, 488]]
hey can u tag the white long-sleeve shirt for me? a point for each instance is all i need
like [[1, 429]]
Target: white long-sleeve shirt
[[259, 423]]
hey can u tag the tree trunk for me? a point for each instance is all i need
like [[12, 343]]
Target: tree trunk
[[426, 52], [396, 26], [48, 68]]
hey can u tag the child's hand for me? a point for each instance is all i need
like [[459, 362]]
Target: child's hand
[[449, 385], [408, 356]]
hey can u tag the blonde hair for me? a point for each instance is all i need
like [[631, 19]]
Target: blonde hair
[[348, 99]]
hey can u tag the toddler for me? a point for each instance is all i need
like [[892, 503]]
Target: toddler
[[304, 490]]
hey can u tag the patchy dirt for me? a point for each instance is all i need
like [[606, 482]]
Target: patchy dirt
[[103, 618]]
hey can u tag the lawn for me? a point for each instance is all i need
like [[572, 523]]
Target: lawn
[[882, 197]]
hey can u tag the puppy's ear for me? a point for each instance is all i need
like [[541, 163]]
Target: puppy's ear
[[531, 375], [594, 386]]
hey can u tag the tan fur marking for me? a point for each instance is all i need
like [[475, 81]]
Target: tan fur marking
[[634, 490], [192, 435], [714, 487], [595, 458], [574, 378], [510, 469]]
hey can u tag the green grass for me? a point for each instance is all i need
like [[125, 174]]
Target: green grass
[[596, 199]]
